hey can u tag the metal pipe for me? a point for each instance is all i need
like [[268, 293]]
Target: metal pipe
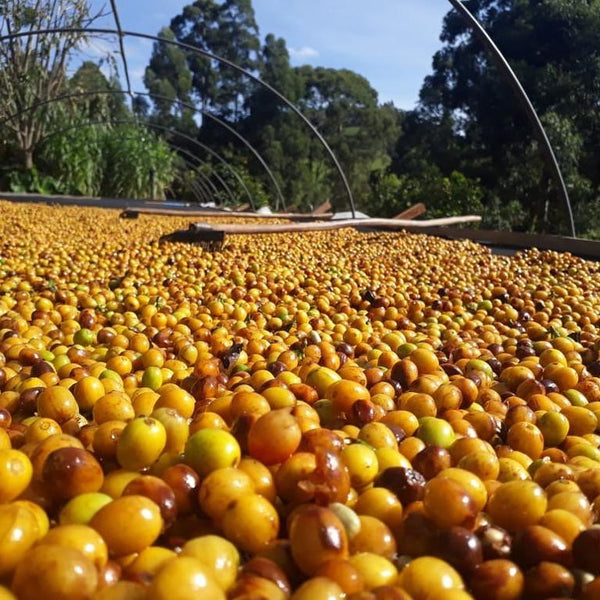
[[213, 172], [231, 130], [201, 191], [115, 12], [195, 193], [221, 60], [212, 187], [203, 184], [203, 112], [195, 184], [507, 71]]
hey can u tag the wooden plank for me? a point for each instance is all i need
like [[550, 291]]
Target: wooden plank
[[392, 224], [322, 208], [242, 207], [165, 212], [412, 212]]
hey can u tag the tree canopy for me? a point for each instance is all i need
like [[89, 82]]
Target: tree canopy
[[554, 48]]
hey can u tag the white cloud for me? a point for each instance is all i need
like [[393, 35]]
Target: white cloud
[[304, 53]]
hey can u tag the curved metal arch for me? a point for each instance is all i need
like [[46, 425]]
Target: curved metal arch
[[176, 132], [231, 130], [540, 132], [213, 172], [207, 194], [194, 188], [203, 184], [192, 166], [200, 185], [196, 195], [220, 122], [198, 172], [210, 151], [199, 192], [204, 177], [220, 59]]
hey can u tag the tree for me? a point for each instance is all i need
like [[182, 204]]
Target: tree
[[341, 103], [33, 68], [278, 133], [168, 76], [554, 47], [237, 40], [443, 196], [89, 77], [137, 160], [344, 107], [275, 69], [227, 29], [118, 161]]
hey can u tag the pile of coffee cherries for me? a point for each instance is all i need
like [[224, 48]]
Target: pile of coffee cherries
[[332, 415]]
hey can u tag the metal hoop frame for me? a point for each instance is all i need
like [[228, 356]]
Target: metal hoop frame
[[203, 183], [213, 172], [202, 174], [479, 31], [195, 187], [204, 147], [199, 51]]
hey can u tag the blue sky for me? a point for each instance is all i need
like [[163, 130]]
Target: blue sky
[[391, 42]]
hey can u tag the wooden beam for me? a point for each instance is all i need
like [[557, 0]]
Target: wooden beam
[[322, 208], [392, 224], [412, 212], [131, 212]]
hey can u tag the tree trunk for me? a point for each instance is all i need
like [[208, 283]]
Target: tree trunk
[[27, 158]]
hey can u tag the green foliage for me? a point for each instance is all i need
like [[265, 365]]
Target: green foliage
[[109, 161], [466, 148], [33, 69], [443, 196], [89, 76], [169, 77], [259, 194], [187, 185], [76, 156], [32, 182], [134, 159], [469, 121], [341, 103], [227, 29], [385, 198]]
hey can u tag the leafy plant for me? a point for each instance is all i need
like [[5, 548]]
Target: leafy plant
[[125, 161], [136, 161], [443, 196], [31, 181], [78, 156]]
